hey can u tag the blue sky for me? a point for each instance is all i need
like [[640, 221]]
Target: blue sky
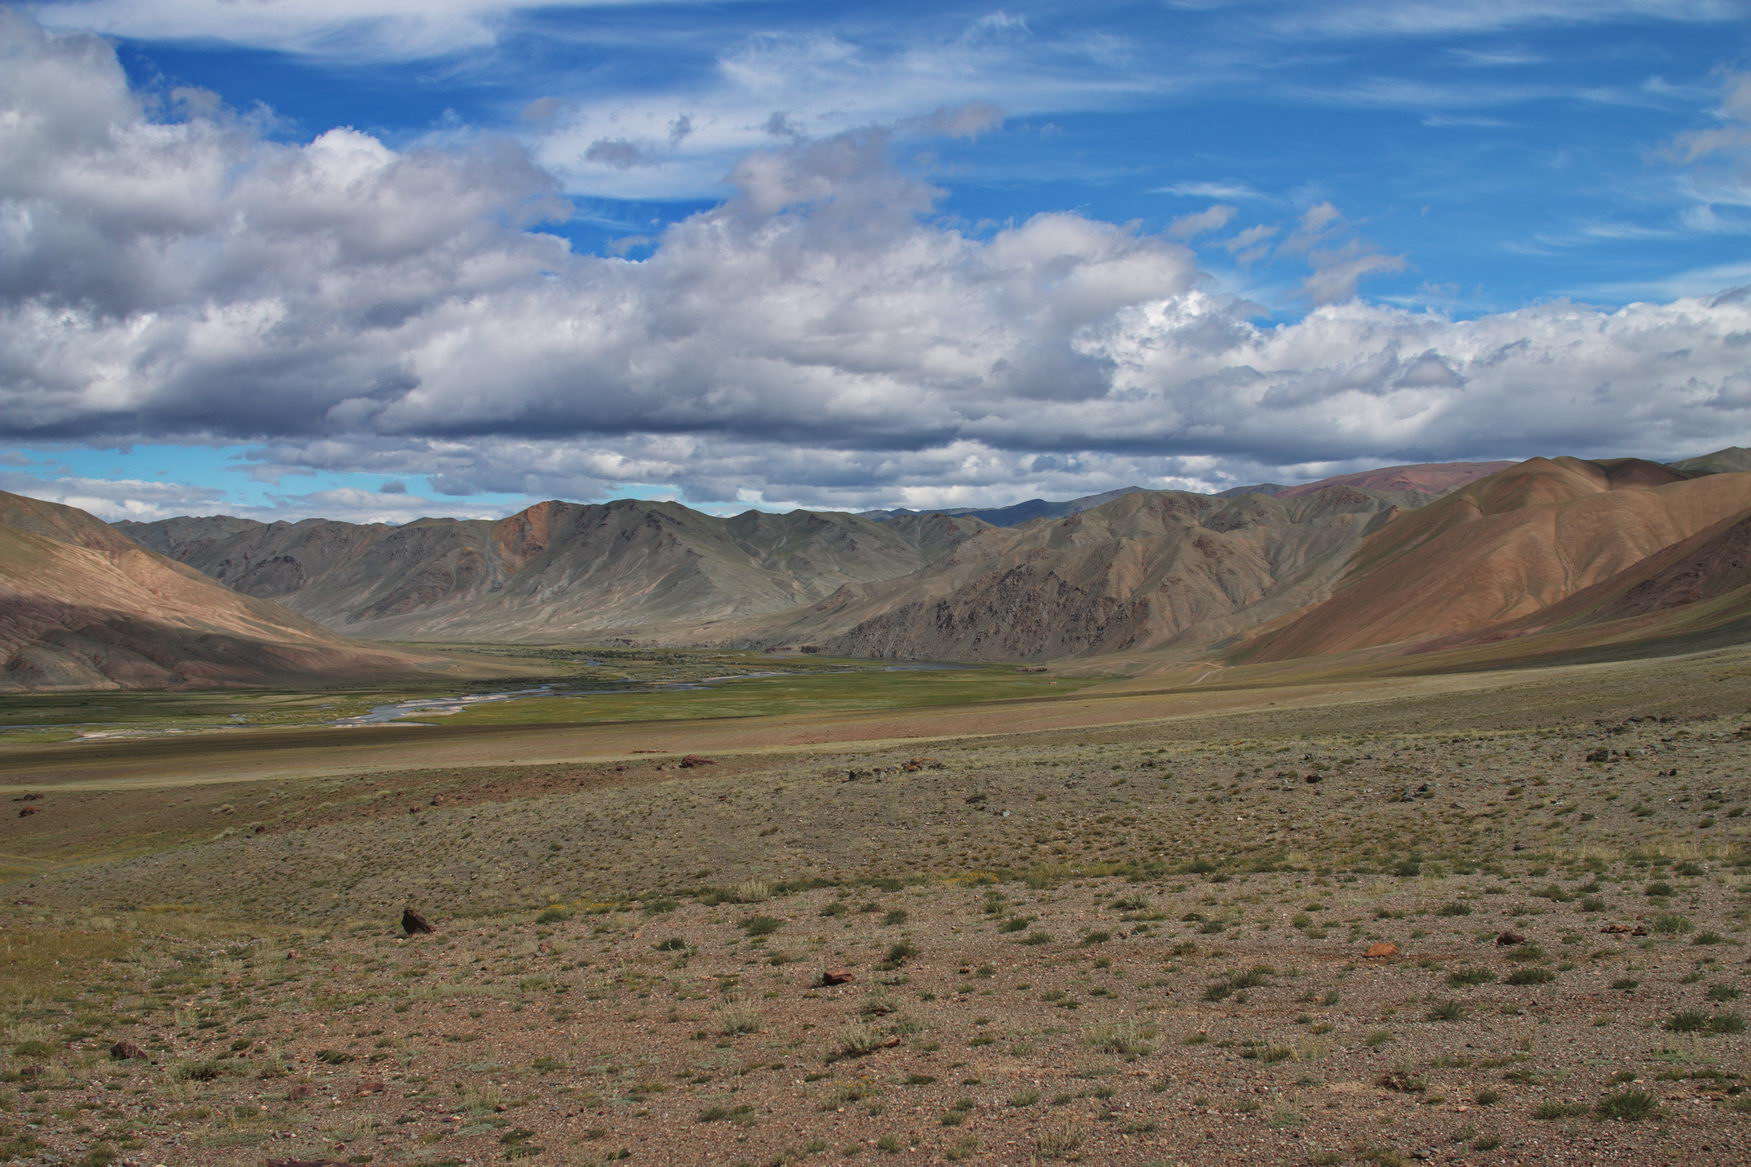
[[386, 258]]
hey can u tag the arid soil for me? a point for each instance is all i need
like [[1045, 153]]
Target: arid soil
[[1135, 944]]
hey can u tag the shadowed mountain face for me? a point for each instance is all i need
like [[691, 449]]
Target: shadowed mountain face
[[84, 607], [554, 570], [1143, 571]]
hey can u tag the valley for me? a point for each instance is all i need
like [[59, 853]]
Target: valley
[[1349, 826]]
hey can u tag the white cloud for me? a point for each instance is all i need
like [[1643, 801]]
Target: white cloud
[[1201, 222], [1226, 191], [115, 498], [796, 84], [1370, 18], [354, 30], [818, 337]]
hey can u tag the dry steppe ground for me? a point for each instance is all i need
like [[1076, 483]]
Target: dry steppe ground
[[1122, 943]]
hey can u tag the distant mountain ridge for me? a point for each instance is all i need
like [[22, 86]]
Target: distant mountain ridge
[[1430, 478], [1016, 513], [1402, 560], [554, 570]]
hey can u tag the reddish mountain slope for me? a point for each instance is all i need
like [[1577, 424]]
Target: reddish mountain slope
[[1503, 549], [91, 609]]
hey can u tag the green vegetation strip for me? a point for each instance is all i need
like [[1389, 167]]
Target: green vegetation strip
[[762, 696]]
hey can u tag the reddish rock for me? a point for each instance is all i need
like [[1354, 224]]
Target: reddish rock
[[692, 760], [838, 976], [1505, 939], [26, 812], [1381, 951], [33, 796], [124, 1051], [414, 924]]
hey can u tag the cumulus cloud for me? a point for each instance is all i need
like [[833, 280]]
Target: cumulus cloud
[[819, 337], [115, 498]]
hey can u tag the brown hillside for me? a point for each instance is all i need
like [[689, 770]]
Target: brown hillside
[[75, 616], [1505, 548], [51, 520]]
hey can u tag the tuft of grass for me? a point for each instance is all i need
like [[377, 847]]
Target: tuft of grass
[[1696, 1021], [857, 1040], [1627, 1106], [1125, 1038], [1556, 1109], [761, 925], [1530, 976]]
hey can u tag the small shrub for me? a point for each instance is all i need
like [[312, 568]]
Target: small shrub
[[761, 925], [1461, 978], [1125, 1038], [734, 1022], [1686, 1021], [1627, 1106], [857, 1040], [200, 1071], [897, 955], [1552, 1110], [1530, 976]]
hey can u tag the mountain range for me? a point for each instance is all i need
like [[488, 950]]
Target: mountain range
[[1389, 562]]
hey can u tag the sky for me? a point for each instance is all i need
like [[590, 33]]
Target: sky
[[381, 259]]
